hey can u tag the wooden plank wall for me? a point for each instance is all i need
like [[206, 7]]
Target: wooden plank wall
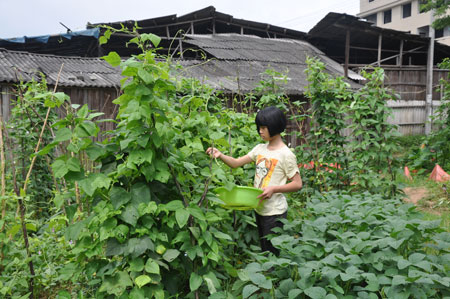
[[5, 99], [98, 99], [410, 84]]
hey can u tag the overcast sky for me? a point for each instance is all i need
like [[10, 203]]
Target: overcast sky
[[42, 17]]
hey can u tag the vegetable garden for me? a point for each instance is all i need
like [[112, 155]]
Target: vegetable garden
[[134, 216]]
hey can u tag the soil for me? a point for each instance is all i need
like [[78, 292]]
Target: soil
[[416, 196]]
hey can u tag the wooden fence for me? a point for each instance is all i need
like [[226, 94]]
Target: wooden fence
[[409, 83], [409, 112], [97, 99]]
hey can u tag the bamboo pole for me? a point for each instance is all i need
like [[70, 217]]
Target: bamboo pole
[[2, 170], [21, 205], [40, 136]]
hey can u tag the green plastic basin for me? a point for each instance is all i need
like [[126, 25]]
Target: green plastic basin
[[239, 198]]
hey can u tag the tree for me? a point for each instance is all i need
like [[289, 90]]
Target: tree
[[439, 8]]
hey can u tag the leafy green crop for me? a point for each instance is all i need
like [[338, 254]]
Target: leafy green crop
[[355, 246]]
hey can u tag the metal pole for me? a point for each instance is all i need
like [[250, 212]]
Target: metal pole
[[429, 89]]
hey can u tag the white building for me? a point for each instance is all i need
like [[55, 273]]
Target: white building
[[403, 15]]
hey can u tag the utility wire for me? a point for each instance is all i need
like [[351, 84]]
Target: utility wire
[[314, 14]]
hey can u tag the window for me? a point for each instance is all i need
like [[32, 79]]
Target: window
[[387, 16], [423, 31], [372, 18], [371, 0], [439, 33], [406, 10]]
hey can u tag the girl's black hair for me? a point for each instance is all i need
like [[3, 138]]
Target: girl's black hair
[[272, 118]]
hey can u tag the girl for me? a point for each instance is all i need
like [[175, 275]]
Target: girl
[[275, 166]]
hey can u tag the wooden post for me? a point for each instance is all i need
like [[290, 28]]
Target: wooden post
[[347, 52], [380, 40], [181, 48], [167, 32], [214, 26], [192, 28], [400, 57]]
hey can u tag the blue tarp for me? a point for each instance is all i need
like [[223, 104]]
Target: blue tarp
[[95, 32]]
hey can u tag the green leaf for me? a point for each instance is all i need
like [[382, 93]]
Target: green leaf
[[174, 205], [171, 254], [260, 280], [130, 215], [182, 217], [119, 197], [316, 292], [136, 293], [83, 112], [136, 247], [87, 129], [195, 281], [59, 168], [140, 193], [294, 293], [93, 182], [145, 75], [196, 212], [425, 265], [112, 58], [63, 134], [95, 151], [210, 284], [402, 263], [137, 265], [73, 164], [398, 280], [416, 257], [117, 284], [114, 248], [142, 280], [31, 227], [249, 290], [154, 39], [152, 267], [106, 229], [221, 235]]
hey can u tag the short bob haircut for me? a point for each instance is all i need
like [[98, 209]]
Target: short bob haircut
[[272, 118]]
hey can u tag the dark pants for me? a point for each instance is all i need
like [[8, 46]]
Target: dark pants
[[265, 226]]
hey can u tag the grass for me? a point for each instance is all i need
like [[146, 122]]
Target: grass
[[434, 199]]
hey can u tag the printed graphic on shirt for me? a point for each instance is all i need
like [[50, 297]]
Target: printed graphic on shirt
[[264, 171]]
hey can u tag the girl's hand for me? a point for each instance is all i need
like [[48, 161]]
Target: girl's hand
[[214, 152], [267, 192]]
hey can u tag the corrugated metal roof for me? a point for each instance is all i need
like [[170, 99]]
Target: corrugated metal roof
[[77, 71], [234, 56], [279, 54]]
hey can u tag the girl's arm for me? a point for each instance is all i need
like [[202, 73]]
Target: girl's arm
[[230, 161], [295, 185]]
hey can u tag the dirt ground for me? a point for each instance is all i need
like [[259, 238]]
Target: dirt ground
[[415, 195]]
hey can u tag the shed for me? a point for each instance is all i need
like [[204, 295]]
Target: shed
[[86, 80], [236, 62]]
